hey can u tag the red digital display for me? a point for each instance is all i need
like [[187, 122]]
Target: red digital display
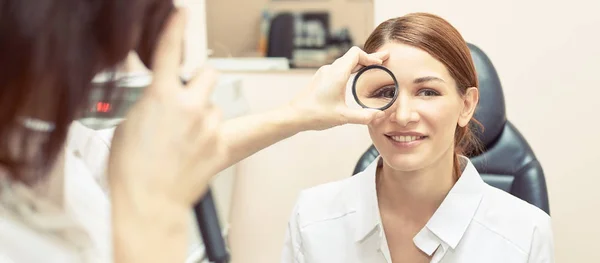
[[103, 107]]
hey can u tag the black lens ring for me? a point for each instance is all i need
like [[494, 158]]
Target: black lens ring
[[360, 72]]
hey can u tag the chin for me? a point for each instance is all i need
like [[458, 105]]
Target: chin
[[405, 162]]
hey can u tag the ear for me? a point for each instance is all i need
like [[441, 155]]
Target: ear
[[470, 100]]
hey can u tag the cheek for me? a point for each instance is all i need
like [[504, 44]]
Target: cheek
[[441, 116], [375, 129]]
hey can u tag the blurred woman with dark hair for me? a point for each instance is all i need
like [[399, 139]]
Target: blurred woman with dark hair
[[50, 52], [162, 156]]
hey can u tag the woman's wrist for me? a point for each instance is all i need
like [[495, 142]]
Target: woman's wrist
[[291, 119], [301, 118]]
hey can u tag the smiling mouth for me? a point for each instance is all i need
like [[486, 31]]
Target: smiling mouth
[[406, 139]]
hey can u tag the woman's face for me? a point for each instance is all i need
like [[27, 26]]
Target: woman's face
[[419, 128]]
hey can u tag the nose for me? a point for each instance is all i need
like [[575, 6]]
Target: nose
[[404, 112]]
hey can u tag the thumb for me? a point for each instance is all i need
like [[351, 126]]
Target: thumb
[[362, 116]]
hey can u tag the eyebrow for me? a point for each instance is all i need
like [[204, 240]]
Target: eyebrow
[[427, 79]]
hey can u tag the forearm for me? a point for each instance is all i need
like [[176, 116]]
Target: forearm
[[249, 134], [146, 231]]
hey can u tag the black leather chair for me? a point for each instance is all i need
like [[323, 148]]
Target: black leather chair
[[507, 161]]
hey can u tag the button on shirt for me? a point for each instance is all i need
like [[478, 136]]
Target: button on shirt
[[340, 222]]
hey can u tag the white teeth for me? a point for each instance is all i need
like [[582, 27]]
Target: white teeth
[[406, 138]]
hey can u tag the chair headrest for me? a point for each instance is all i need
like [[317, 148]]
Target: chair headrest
[[491, 111]]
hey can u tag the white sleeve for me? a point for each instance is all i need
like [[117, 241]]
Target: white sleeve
[[542, 245], [292, 249]]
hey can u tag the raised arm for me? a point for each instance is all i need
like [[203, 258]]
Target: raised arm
[[319, 106]]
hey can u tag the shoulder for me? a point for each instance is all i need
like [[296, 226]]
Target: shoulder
[[501, 204], [328, 201], [512, 218]]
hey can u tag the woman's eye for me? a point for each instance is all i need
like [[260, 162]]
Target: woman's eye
[[385, 92], [428, 93]]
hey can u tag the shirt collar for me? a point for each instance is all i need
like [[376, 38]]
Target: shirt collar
[[367, 206], [449, 222]]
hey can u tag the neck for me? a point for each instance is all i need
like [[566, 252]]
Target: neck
[[416, 194]]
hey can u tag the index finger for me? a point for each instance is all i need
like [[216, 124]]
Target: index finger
[[366, 59], [168, 54], [356, 58]]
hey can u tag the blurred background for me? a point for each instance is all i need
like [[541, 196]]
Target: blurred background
[[307, 33], [546, 54]]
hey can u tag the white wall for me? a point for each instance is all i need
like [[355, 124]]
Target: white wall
[[195, 35], [547, 55]]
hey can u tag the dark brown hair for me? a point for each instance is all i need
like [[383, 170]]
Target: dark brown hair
[[441, 40], [50, 51]]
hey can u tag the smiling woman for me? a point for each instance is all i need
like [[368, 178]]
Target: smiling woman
[[421, 200], [424, 32]]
